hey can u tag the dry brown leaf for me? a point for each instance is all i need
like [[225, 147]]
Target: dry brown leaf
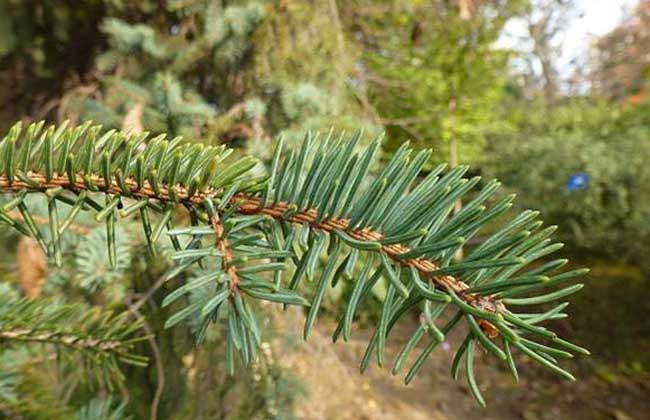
[[133, 121], [32, 266]]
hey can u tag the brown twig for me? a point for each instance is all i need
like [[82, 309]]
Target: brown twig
[[223, 245]]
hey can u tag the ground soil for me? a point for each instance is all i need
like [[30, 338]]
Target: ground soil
[[336, 389]]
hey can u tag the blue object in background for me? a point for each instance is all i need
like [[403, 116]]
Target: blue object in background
[[578, 181]]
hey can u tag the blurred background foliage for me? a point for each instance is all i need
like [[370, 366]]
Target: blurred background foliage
[[245, 72], [606, 142]]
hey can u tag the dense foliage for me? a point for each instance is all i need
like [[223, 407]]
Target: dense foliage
[[607, 216]]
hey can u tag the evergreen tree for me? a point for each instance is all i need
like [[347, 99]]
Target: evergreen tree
[[153, 72], [203, 69], [233, 72]]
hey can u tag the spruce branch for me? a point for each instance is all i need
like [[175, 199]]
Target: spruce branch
[[101, 338], [369, 237], [251, 205], [51, 337], [246, 232]]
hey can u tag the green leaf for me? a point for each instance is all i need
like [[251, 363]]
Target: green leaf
[[549, 297], [471, 380], [184, 313], [321, 288], [358, 244], [393, 277], [282, 296]]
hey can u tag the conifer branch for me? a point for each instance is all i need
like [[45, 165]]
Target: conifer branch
[[98, 336], [251, 205], [317, 200], [72, 341]]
